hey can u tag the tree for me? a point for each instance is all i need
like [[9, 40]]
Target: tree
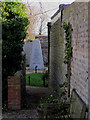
[[38, 20], [33, 20], [14, 27], [43, 19]]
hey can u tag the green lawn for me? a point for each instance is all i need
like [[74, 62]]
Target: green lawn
[[36, 79], [45, 65]]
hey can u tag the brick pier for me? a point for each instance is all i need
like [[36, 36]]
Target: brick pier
[[14, 92]]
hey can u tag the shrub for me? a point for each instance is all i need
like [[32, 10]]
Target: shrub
[[58, 105], [14, 26]]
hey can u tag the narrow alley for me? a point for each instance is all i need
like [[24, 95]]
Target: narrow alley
[[33, 96]]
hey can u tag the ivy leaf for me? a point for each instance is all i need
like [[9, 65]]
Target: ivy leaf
[[65, 62]]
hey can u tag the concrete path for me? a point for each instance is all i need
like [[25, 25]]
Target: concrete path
[[28, 71], [33, 97]]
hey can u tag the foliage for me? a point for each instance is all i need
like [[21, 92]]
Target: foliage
[[68, 52], [36, 79], [46, 65], [57, 104], [45, 79], [68, 48], [45, 75], [14, 26]]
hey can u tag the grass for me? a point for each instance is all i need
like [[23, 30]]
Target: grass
[[45, 65], [36, 79]]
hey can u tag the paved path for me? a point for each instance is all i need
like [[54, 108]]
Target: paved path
[[28, 71], [32, 100]]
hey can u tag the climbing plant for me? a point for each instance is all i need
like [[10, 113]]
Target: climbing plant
[[68, 51]]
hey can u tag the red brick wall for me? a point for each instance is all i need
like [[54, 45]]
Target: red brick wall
[[14, 92]]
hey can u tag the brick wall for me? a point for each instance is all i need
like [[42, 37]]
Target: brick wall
[[77, 15], [57, 70], [14, 92]]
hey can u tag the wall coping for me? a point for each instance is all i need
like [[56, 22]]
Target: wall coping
[[57, 15]]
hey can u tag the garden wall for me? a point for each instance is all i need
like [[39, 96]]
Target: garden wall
[[56, 55], [14, 92], [17, 88], [77, 15]]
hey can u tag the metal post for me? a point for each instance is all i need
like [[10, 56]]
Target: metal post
[[36, 69]]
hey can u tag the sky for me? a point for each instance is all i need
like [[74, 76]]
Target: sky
[[51, 6]]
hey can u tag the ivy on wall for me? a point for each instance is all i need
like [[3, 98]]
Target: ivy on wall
[[68, 51]]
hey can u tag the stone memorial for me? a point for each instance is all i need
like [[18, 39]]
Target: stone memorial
[[27, 48], [36, 60]]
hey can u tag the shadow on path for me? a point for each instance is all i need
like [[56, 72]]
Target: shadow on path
[[33, 95]]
